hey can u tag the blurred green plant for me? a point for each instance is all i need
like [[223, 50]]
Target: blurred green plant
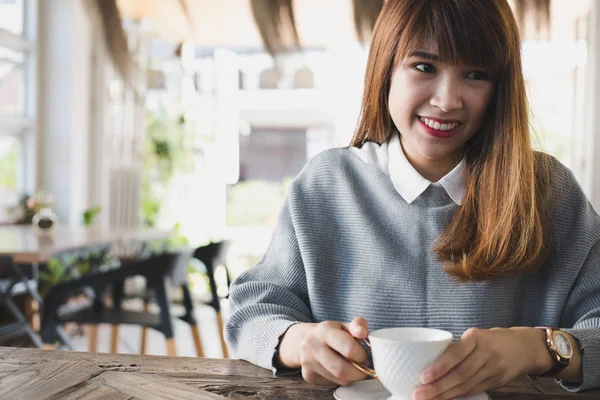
[[30, 205], [26, 212], [175, 242], [72, 265], [89, 215], [168, 149], [54, 272], [9, 164]]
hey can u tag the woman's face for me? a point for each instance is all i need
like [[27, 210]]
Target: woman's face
[[437, 107]]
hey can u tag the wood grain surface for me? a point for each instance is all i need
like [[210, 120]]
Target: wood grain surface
[[42, 374]]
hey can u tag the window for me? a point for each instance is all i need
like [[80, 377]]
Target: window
[[555, 69], [17, 77], [12, 79], [10, 150], [12, 16]]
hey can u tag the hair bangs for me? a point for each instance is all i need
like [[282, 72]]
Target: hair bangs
[[461, 33]]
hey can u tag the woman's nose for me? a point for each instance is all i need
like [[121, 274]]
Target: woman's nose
[[447, 96]]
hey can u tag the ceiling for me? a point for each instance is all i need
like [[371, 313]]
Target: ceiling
[[320, 23], [212, 23]]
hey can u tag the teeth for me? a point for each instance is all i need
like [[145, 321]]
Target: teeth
[[439, 127]]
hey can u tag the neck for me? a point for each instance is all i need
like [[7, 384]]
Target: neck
[[432, 170]]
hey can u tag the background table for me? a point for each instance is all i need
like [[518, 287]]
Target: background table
[[21, 245], [24, 246]]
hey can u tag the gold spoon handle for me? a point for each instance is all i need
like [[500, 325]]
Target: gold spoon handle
[[365, 370]]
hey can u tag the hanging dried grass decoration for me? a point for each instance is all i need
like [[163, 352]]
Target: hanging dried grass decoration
[[276, 24], [538, 10], [365, 15], [115, 37]]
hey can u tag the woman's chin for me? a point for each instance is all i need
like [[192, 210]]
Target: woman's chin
[[437, 154]]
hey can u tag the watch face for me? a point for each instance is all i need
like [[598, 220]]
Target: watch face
[[563, 346]]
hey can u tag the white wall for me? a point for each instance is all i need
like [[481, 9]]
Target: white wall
[[65, 43]]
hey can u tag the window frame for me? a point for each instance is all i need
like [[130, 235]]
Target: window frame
[[22, 125]]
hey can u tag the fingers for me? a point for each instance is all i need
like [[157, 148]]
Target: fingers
[[340, 368], [344, 344], [317, 374], [313, 351], [325, 353], [454, 355], [479, 383], [478, 380], [359, 328], [476, 363], [466, 375]]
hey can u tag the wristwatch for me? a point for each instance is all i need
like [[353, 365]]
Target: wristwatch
[[560, 347]]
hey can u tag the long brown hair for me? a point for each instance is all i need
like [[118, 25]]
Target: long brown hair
[[501, 226]]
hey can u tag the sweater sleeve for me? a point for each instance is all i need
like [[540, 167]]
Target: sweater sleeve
[[269, 298], [582, 317]]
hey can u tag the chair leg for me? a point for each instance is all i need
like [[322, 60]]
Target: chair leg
[[31, 313], [49, 325], [228, 275], [215, 303], [144, 330], [93, 347], [190, 318], [143, 340], [222, 335], [197, 340], [117, 299], [114, 339], [98, 306], [166, 327], [171, 349]]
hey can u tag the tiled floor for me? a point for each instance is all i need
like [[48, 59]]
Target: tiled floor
[[130, 336]]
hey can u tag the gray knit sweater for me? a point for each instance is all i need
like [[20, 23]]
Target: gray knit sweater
[[346, 244]]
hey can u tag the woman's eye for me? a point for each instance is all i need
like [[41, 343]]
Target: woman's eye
[[424, 67], [477, 75]]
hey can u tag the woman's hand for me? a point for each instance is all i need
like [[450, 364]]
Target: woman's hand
[[484, 359], [323, 350]]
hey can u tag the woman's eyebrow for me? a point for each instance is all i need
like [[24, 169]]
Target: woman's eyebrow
[[424, 54]]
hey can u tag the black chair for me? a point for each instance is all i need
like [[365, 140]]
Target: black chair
[[210, 255], [154, 269], [178, 277], [16, 281]]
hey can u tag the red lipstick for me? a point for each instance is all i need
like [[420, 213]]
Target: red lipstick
[[437, 133]]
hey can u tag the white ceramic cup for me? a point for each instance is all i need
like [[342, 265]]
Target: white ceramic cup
[[401, 354]]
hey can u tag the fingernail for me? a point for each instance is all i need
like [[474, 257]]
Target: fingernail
[[419, 396], [426, 377]]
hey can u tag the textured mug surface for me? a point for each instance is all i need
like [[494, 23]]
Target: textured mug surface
[[401, 354]]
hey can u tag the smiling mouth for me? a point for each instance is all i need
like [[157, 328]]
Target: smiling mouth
[[439, 129], [439, 126]]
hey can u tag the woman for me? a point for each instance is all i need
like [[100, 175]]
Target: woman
[[438, 215]]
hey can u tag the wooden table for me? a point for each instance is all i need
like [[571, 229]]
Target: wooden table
[[42, 374]]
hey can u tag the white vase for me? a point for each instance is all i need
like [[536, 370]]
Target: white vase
[[45, 222]]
